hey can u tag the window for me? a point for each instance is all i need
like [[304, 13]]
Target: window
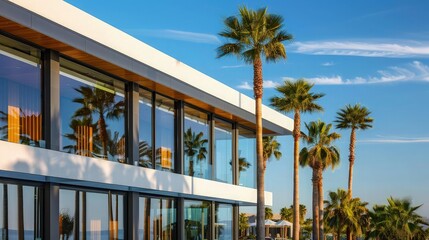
[[164, 133], [92, 113], [91, 215], [196, 142], [246, 158], [157, 218], [21, 211], [223, 151], [20, 94], [197, 220], [145, 129], [223, 221]]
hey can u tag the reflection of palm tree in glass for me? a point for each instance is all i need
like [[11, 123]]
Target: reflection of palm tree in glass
[[243, 165], [145, 154], [26, 129], [194, 145], [102, 104], [66, 225], [77, 138]]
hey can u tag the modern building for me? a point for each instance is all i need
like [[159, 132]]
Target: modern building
[[105, 137]]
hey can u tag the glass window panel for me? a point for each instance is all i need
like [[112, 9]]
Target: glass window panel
[[247, 158], [164, 133], [145, 129], [223, 151], [196, 142], [20, 215], [157, 218], [20, 94], [97, 215], [223, 222], [197, 220], [92, 113]]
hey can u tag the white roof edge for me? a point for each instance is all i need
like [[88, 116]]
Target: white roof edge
[[93, 28]]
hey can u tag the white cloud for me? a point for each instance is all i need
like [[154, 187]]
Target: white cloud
[[370, 48], [382, 139], [270, 84], [234, 66], [179, 35], [267, 84], [328, 64], [245, 86], [415, 71]]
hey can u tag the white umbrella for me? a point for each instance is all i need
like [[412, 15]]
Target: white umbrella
[[284, 223]]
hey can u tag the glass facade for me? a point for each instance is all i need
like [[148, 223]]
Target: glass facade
[[246, 158], [91, 215], [165, 133], [197, 219], [20, 93], [145, 129], [196, 142], [223, 151], [157, 218], [21, 211], [92, 110], [223, 221]]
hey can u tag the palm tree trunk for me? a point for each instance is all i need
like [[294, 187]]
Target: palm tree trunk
[[103, 134], [260, 179], [296, 136], [315, 206], [351, 164], [321, 207]]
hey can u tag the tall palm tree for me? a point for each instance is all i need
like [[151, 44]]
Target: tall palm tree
[[194, 145], [297, 98], [102, 104], [271, 147], [319, 155], [353, 117], [252, 36]]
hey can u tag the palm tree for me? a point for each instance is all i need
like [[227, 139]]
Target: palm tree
[[243, 225], [103, 105], [286, 213], [397, 220], [251, 36], [319, 156], [194, 144], [296, 97], [353, 117], [268, 213], [343, 213], [271, 147]]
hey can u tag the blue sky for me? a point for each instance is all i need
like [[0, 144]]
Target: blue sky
[[371, 52]]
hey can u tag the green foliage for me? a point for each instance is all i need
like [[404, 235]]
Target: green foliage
[[253, 34], [397, 220], [341, 212], [268, 213], [194, 145], [271, 147], [320, 153], [243, 224], [354, 117], [296, 96]]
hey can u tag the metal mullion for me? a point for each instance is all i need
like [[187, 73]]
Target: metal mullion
[[212, 147], [235, 158], [178, 132], [153, 129]]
